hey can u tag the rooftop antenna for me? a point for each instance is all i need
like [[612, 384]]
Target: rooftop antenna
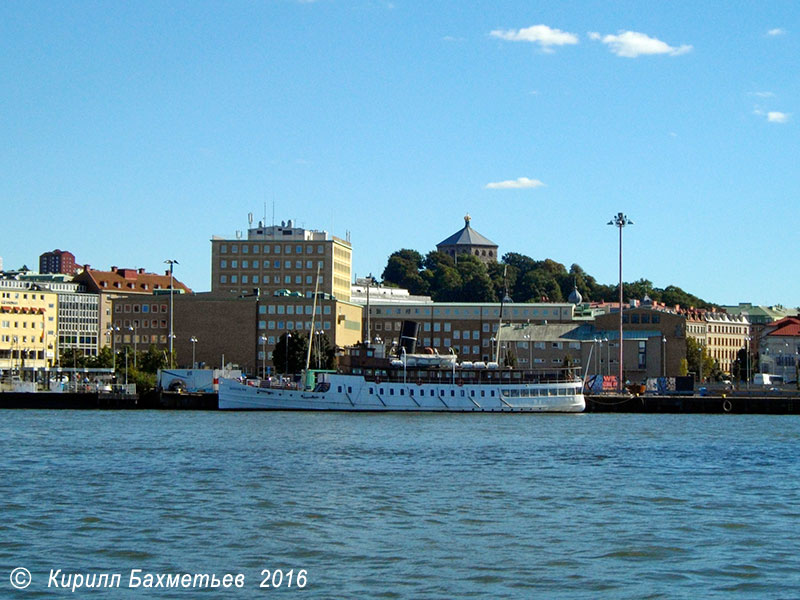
[[250, 219]]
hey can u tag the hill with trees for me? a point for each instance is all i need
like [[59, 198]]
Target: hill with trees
[[526, 280]]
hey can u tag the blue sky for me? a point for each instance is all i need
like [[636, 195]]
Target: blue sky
[[133, 132]]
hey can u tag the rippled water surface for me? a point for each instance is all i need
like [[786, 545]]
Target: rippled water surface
[[407, 506]]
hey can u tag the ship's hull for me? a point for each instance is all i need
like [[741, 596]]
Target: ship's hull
[[353, 393]]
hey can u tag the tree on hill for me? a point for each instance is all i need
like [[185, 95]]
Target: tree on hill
[[468, 279], [403, 270]]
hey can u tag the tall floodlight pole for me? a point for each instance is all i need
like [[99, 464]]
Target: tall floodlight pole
[[171, 263], [193, 339], [620, 221]]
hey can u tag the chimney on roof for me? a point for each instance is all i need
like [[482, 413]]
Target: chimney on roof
[[141, 271], [113, 269]]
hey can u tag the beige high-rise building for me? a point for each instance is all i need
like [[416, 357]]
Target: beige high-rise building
[[282, 257]]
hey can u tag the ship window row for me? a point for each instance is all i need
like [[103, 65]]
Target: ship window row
[[431, 392], [274, 249]]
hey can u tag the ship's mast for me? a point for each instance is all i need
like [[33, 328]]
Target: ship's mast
[[313, 318], [500, 320]]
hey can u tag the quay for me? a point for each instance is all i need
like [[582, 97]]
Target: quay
[[756, 402], [71, 400]]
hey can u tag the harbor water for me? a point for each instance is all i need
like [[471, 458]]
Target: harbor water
[[405, 505]]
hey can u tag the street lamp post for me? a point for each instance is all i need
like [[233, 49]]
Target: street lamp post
[[403, 350], [318, 341], [608, 355], [620, 221], [529, 340], [113, 329], [171, 263], [135, 337], [286, 371], [747, 374], [664, 355], [370, 281], [193, 339], [263, 340]]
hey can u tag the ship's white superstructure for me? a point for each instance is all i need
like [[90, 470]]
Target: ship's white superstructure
[[354, 393]]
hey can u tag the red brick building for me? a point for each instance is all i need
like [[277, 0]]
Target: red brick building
[[57, 261]]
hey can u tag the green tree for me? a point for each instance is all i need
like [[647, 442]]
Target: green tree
[[103, 360], [70, 357], [444, 280], [683, 370], [403, 270], [323, 355], [476, 285], [699, 362], [152, 359], [295, 360], [503, 277]]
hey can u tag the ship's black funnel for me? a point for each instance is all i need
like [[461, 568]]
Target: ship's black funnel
[[408, 336]]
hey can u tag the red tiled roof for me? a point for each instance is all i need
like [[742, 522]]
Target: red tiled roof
[[788, 326], [129, 281]]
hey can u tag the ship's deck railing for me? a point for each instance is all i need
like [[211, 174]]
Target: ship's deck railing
[[467, 376]]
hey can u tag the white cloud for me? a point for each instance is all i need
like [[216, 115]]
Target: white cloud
[[514, 184], [631, 44], [774, 116], [543, 35], [764, 94], [777, 31]]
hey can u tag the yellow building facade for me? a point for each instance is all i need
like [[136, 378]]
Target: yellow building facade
[[28, 329]]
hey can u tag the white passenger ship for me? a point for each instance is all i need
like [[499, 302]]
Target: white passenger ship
[[414, 382]]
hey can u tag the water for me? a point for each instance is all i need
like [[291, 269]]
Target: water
[[406, 506]]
